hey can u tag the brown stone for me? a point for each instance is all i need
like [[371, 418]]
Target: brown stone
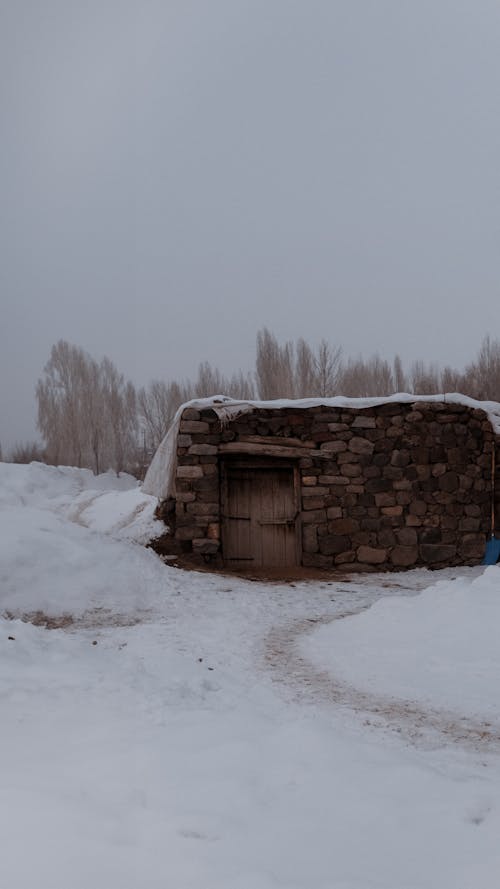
[[185, 496], [469, 523], [313, 503], [205, 546], [210, 469], [473, 546], [203, 509], [317, 491], [316, 560], [213, 531], [203, 450], [418, 507], [392, 510], [343, 526], [334, 447], [385, 499], [348, 556], [363, 422], [313, 515], [193, 426], [404, 556], [309, 480], [437, 552], [449, 482], [386, 537], [377, 485], [188, 532], [333, 544], [360, 446], [407, 537], [309, 539], [190, 413], [334, 512], [189, 472], [372, 555]]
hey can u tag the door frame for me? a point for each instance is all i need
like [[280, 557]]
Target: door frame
[[237, 461]]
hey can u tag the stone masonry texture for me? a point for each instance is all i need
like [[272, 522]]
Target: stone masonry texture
[[394, 486]]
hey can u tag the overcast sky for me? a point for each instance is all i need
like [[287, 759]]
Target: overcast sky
[[175, 174]]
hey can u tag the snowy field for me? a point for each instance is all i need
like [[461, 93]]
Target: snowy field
[[195, 731]]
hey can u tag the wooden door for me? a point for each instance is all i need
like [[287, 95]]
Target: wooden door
[[259, 516]]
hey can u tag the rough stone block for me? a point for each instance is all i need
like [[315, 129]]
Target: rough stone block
[[348, 556], [332, 544], [350, 470], [309, 539], [417, 507], [343, 526], [316, 560], [448, 482], [193, 426], [407, 537], [386, 537], [473, 546], [363, 422], [360, 446], [404, 556], [334, 512], [432, 553], [190, 413], [188, 532], [334, 447], [313, 515], [203, 509], [189, 472], [315, 491], [385, 498], [205, 546], [313, 503], [371, 555], [203, 450]]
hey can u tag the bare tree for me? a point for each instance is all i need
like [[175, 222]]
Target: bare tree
[[483, 374], [425, 379], [86, 410], [328, 369], [274, 367], [367, 379], [305, 370], [399, 376], [26, 452], [157, 405]]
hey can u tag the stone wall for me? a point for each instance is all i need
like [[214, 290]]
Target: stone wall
[[387, 487]]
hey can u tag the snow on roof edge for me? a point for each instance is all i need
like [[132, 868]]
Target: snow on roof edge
[[160, 477]]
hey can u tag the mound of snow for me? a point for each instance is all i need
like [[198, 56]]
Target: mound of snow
[[440, 648], [65, 542]]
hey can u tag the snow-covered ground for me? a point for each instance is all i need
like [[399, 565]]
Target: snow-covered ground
[[196, 731]]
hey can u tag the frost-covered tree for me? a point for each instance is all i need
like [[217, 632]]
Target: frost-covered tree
[[86, 411]]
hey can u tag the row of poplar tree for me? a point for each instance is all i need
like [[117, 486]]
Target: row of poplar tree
[[90, 416]]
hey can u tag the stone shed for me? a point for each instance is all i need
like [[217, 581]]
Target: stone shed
[[348, 484]]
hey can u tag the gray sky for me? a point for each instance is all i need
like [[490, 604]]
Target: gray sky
[[175, 175]]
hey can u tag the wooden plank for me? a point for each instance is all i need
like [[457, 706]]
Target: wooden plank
[[246, 447], [277, 440]]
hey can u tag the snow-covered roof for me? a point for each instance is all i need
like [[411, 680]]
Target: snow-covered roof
[[160, 477]]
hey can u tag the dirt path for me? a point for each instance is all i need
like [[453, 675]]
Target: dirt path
[[416, 723]]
